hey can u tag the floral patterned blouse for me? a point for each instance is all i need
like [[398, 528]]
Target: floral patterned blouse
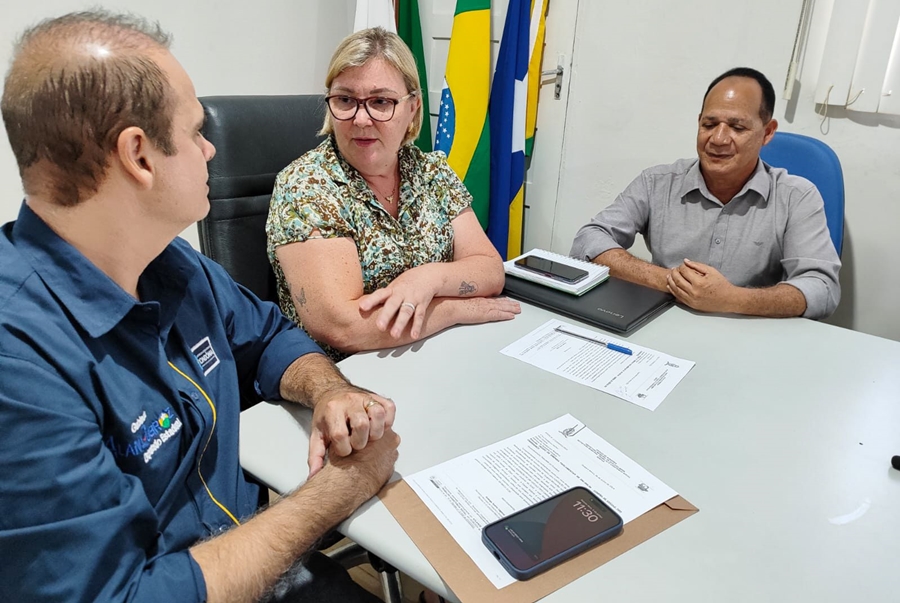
[[321, 191]]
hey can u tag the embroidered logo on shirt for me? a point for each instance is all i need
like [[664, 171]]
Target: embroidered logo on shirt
[[139, 422], [149, 435], [167, 425], [206, 355]]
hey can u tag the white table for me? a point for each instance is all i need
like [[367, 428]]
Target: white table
[[782, 435]]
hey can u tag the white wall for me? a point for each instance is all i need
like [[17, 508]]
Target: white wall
[[639, 74], [227, 47]]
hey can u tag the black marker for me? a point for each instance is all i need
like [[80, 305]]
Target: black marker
[[895, 463]]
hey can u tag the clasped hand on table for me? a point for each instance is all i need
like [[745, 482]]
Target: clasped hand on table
[[345, 419], [701, 287]]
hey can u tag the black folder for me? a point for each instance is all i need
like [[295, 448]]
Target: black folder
[[614, 304]]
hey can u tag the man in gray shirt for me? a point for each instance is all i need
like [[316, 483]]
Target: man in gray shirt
[[727, 232]]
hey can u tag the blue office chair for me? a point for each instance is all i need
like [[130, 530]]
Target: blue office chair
[[814, 160]]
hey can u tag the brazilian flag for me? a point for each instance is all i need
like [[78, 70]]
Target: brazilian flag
[[463, 130]]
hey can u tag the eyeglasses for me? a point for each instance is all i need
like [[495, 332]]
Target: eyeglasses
[[379, 108]]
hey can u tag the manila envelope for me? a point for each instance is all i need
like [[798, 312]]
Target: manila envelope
[[468, 583]]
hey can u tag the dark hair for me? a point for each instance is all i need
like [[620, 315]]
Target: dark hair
[[767, 108], [75, 83]]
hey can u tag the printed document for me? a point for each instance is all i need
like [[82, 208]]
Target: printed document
[[644, 378], [478, 488]]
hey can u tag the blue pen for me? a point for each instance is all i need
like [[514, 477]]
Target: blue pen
[[611, 346]]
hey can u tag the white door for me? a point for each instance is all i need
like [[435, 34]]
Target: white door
[[638, 79], [542, 178]]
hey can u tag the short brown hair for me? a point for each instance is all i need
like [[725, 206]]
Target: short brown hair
[[360, 47], [75, 83]]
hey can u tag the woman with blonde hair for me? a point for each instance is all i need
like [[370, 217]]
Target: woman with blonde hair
[[373, 242]]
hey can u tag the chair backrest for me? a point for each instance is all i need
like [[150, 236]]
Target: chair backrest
[[814, 160], [255, 138]]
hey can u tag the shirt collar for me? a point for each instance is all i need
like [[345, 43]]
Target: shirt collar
[[758, 182], [345, 173], [341, 171], [96, 302]]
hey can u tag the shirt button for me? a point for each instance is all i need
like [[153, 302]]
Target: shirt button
[[718, 241], [195, 396], [147, 308]]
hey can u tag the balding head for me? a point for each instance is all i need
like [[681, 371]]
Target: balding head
[[75, 83]]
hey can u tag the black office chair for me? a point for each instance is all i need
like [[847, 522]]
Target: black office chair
[[255, 138]]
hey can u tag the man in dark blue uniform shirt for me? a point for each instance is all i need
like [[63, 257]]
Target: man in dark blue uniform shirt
[[124, 353]]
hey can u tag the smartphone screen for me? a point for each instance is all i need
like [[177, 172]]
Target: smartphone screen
[[556, 270], [551, 531]]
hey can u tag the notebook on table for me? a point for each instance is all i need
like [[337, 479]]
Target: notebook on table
[[615, 305], [596, 273]]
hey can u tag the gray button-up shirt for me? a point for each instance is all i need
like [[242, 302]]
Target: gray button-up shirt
[[772, 231]]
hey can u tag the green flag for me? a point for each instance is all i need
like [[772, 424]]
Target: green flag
[[409, 28]]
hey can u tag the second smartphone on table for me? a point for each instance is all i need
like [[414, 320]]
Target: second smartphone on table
[[545, 534]]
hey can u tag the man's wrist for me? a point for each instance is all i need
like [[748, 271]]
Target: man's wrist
[[349, 481], [311, 377], [660, 278], [736, 300]]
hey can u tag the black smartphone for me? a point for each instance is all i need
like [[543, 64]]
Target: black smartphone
[[554, 270], [545, 534]]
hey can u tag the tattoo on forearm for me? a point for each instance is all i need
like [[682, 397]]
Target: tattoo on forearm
[[467, 288], [300, 298]]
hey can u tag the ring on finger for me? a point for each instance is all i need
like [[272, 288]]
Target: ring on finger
[[372, 402], [409, 305]]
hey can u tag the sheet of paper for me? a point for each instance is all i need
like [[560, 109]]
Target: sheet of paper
[[473, 490], [644, 378]]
